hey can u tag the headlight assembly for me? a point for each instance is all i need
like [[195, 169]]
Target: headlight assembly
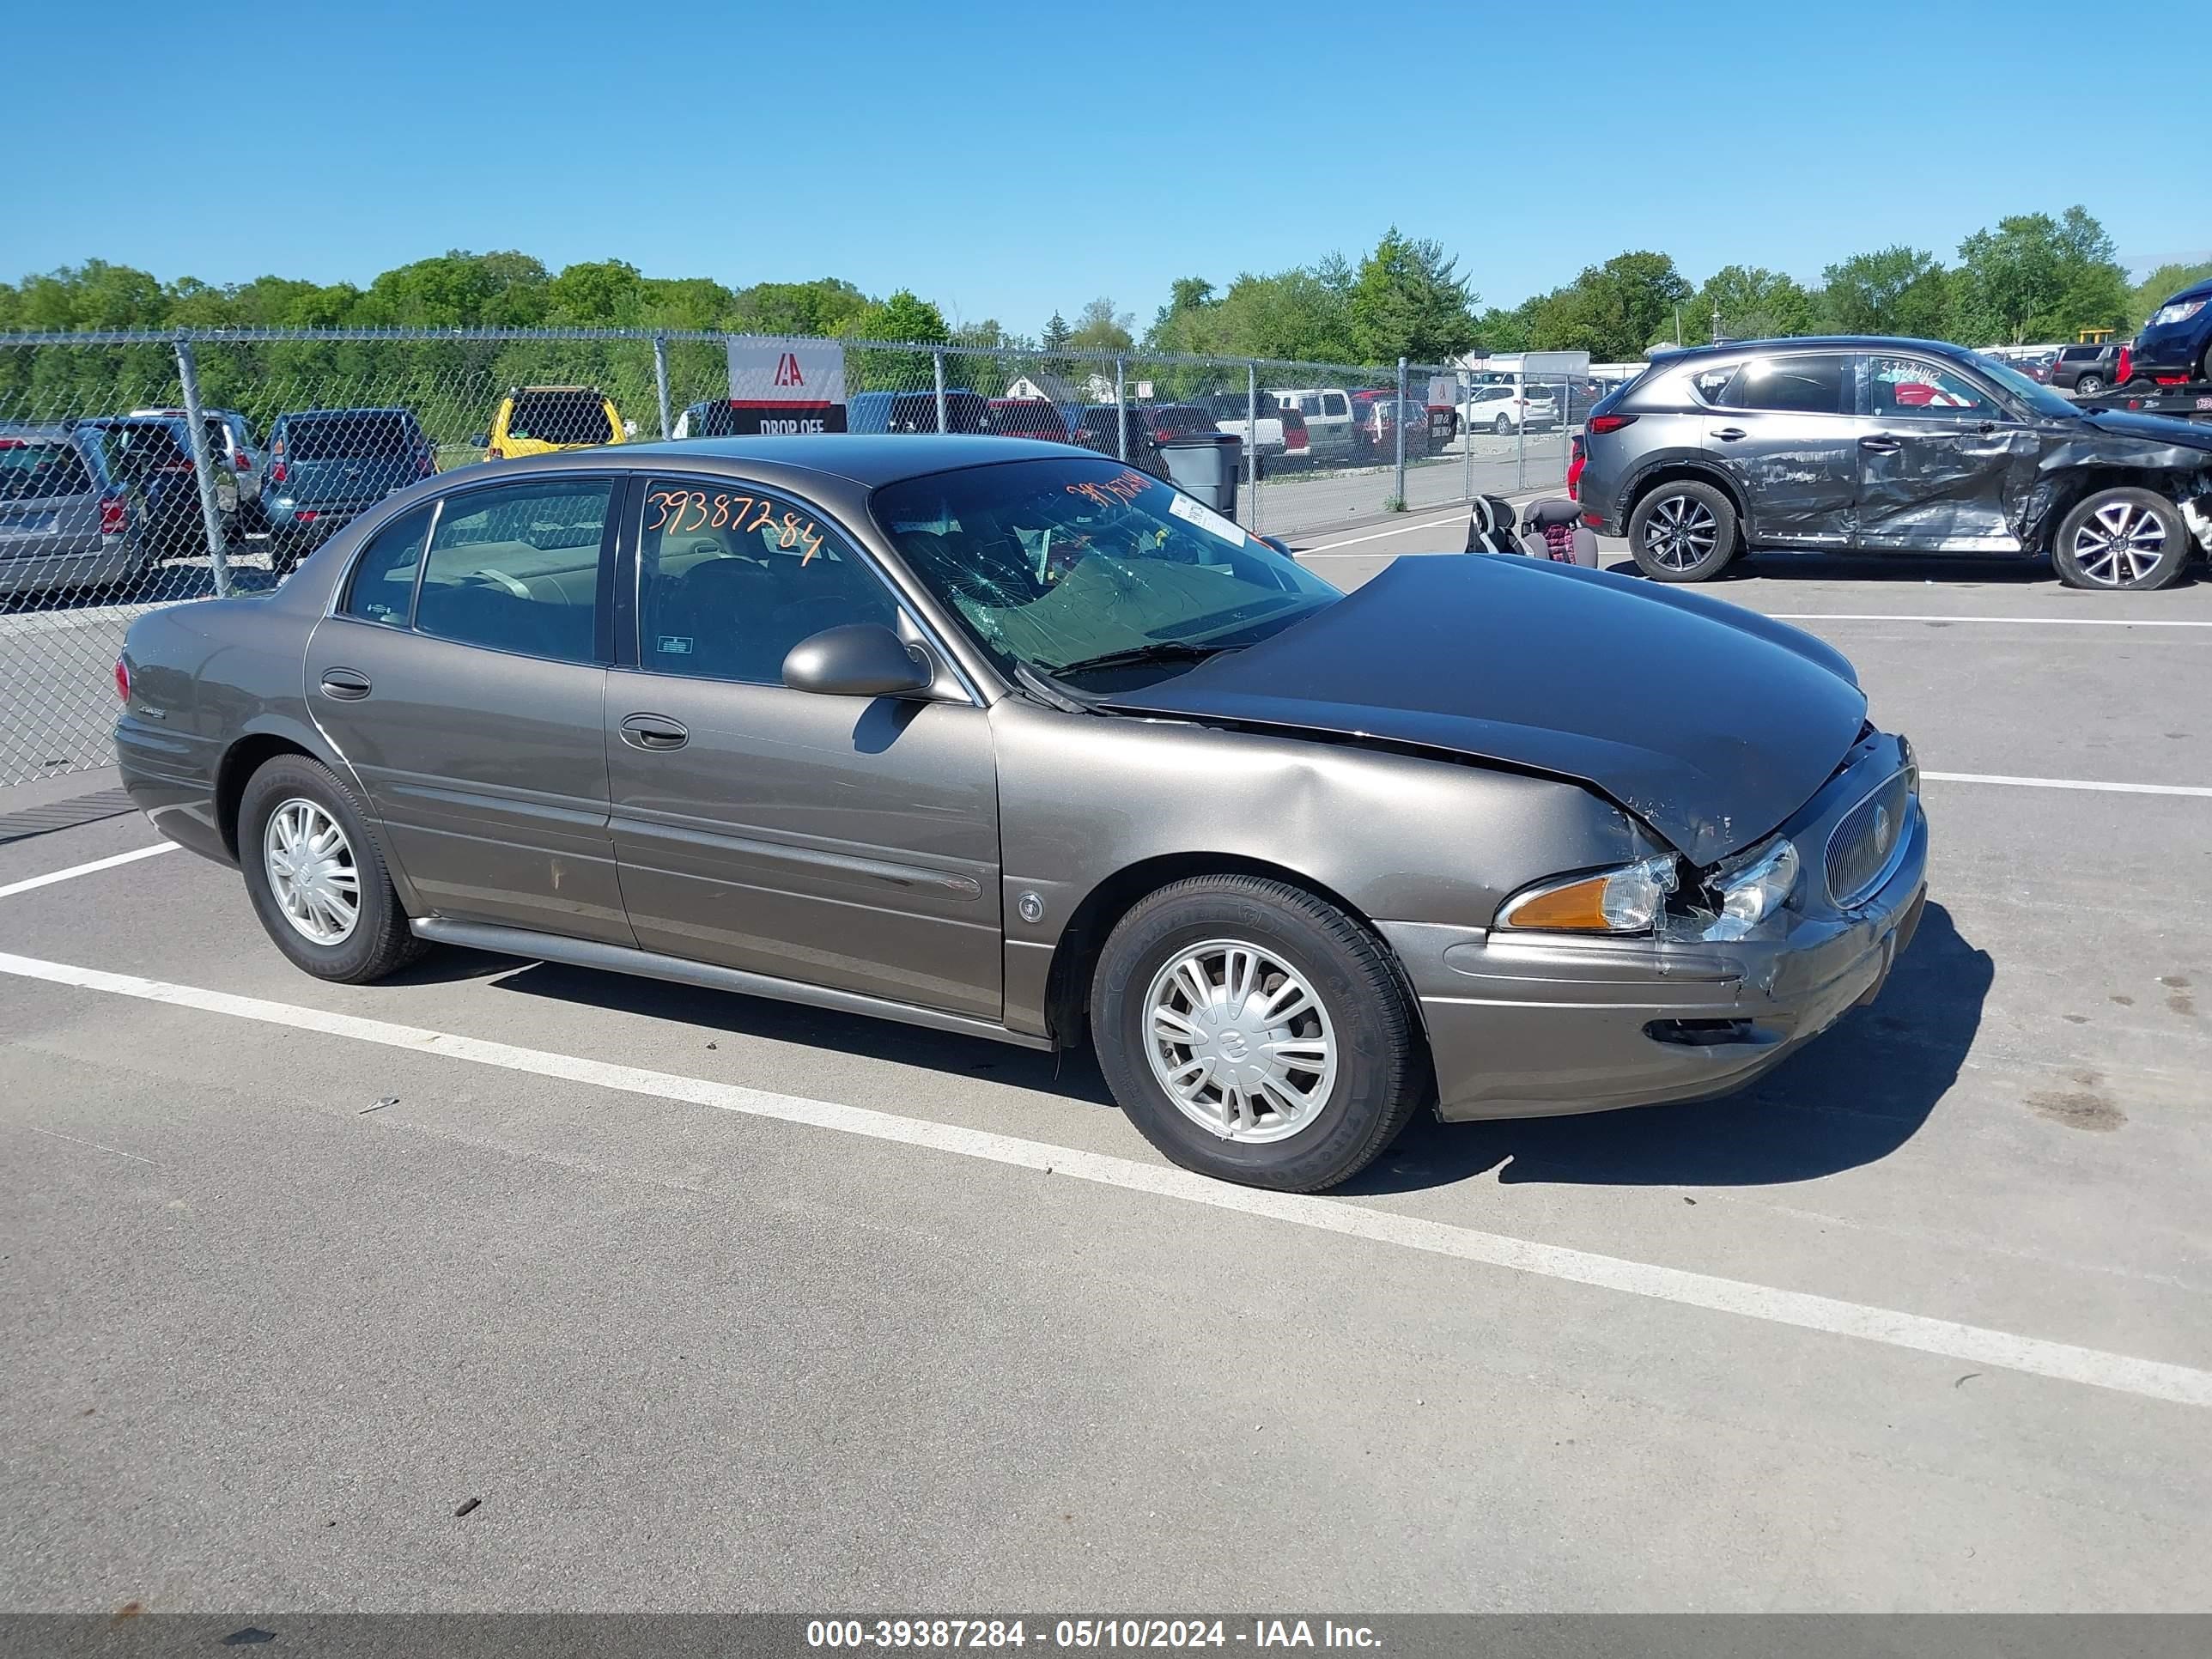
[[2180, 312], [1754, 892], [1628, 900]]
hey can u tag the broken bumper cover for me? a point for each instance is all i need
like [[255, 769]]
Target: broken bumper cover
[[1526, 1027]]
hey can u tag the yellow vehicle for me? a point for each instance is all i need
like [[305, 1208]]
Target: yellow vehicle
[[536, 419]]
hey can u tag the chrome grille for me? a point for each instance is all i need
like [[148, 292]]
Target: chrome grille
[[1859, 851]]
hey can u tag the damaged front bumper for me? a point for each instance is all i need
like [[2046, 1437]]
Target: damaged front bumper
[[1523, 1026]]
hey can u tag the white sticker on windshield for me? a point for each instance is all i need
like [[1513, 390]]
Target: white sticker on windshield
[[1206, 519]]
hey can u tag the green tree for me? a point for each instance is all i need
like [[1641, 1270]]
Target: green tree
[[2162, 285], [1101, 328], [609, 294], [2036, 278], [827, 307], [1407, 300], [904, 316], [1896, 290], [1613, 311], [1057, 335], [1752, 303]]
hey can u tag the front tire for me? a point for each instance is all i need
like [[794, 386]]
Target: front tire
[[1682, 532], [1254, 1033], [2126, 540], [2089, 385], [317, 877]]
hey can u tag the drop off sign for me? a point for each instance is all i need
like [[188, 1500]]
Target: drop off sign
[[795, 386]]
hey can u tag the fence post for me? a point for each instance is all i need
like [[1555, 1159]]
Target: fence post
[[1121, 410], [1401, 424], [1463, 398], [1521, 435], [937, 361], [1252, 438], [660, 380], [203, 467]]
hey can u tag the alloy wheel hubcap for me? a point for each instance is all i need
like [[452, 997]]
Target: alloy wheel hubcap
[[1681, 531], [2121, 543], [1239, 1041], [311, 870]]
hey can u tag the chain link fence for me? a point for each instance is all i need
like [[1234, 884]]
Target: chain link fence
[[142, 470]]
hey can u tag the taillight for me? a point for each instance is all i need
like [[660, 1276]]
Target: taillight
[[276, 472], [1602, 424], [1575, 465], [123, 679], [2125, 367], [114, 515]]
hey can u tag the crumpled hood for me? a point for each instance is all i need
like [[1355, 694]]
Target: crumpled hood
[[1710, 723], [2161, 429]]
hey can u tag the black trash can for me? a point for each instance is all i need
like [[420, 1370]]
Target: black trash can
[[1205, 465]]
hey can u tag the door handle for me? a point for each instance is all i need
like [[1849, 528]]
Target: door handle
[[1729, 434], [1883, 446], [346, 684], [654, 732]]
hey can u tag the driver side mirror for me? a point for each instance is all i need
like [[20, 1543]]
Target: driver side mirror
[[857, 659]]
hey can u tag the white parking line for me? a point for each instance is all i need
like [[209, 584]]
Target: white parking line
[[1459, 516], [2038, 622], [76, 870], [2151, 1379], [2192, 789]]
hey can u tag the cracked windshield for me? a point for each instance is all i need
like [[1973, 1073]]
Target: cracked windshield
[[1083, 567]]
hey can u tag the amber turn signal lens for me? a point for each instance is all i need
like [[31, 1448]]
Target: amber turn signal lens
[[1579, 906], [1623, 901]]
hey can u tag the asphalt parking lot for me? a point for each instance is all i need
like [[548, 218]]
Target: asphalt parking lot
[[711, 1303]]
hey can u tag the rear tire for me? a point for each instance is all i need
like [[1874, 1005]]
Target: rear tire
[[1682, 532], [2121, 540], [1501, 426], [1302, 1063], [310, 919]]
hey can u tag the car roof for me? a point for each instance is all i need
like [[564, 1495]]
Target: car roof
[[44, 431], [1817, 341], [318, 414], [869, 459]]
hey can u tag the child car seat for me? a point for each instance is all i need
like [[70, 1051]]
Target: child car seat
[[1556, 531], [1491, 526]]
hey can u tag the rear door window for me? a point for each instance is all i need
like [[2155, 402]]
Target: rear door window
[[516, 568], [1333, 404], [41, 469], [1812, 385]]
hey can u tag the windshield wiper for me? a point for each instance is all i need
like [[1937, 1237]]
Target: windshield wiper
[[1159, 651]]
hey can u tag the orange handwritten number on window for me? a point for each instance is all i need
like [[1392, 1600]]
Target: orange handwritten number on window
[[813, 538], [698, 504], [663, 499], [721, 511], [762, 516], [790, 532]]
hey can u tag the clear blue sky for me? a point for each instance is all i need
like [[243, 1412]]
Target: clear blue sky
[[1007, 160]]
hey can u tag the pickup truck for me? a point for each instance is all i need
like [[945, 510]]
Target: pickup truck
[[1279, 433]]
